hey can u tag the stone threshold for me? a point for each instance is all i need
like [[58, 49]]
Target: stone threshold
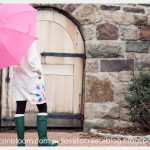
[[119, 136]]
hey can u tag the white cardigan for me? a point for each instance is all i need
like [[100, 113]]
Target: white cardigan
[[26, 84]]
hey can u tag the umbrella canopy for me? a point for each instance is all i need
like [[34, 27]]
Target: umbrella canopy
[[17, 32]]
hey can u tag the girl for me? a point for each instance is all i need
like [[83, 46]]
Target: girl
[[28, 86]]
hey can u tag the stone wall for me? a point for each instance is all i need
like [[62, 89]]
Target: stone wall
[[116, 38]]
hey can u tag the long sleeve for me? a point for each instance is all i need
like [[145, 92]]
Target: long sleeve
[[33, 58]]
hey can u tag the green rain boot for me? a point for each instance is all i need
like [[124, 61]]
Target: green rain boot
[[19, 121], [42, 131]]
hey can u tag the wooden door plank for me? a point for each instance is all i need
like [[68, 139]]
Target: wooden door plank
[[58, 60], [53, 38], [64, 94], [45, 15], [59, 92], [79, 42], [58, 69], [67, 24]]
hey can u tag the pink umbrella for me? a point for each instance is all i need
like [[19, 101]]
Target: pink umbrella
[[17, 32]]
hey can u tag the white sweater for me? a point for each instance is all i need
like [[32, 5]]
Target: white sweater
[[26, 84]]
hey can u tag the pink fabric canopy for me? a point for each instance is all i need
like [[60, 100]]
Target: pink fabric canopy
[[17, 32]]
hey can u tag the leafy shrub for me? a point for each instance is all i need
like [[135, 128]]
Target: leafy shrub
[[139, 98]]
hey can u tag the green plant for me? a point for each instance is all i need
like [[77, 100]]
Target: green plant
[[139, 98]]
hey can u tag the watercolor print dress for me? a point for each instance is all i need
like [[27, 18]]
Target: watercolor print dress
[[26, 84]]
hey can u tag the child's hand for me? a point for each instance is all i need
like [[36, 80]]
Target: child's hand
[[40, 73]]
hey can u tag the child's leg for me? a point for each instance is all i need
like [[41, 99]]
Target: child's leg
[[21, 106], [42, 108]]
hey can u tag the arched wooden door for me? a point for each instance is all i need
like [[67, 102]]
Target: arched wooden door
[[61, 50]]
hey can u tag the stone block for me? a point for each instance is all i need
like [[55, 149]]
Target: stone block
[[104, 49], [87, 14], [123, 124], [134, 10], [88, 110], [96, 123], [124, 76], [119, 98], [124, 103], [140, 20], [114, 76], [98, 88], [111, 8], [106, 110], [130, 55], [70, 7], [145, 33], [121, 87], [88, 31], [148, 20], [116, 65], [139, 47], [129, 33], [106, 31], [119, 18], [142, 61], [91, 65]]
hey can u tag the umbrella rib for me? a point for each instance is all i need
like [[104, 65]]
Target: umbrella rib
[[9, 52], [17, 31]]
